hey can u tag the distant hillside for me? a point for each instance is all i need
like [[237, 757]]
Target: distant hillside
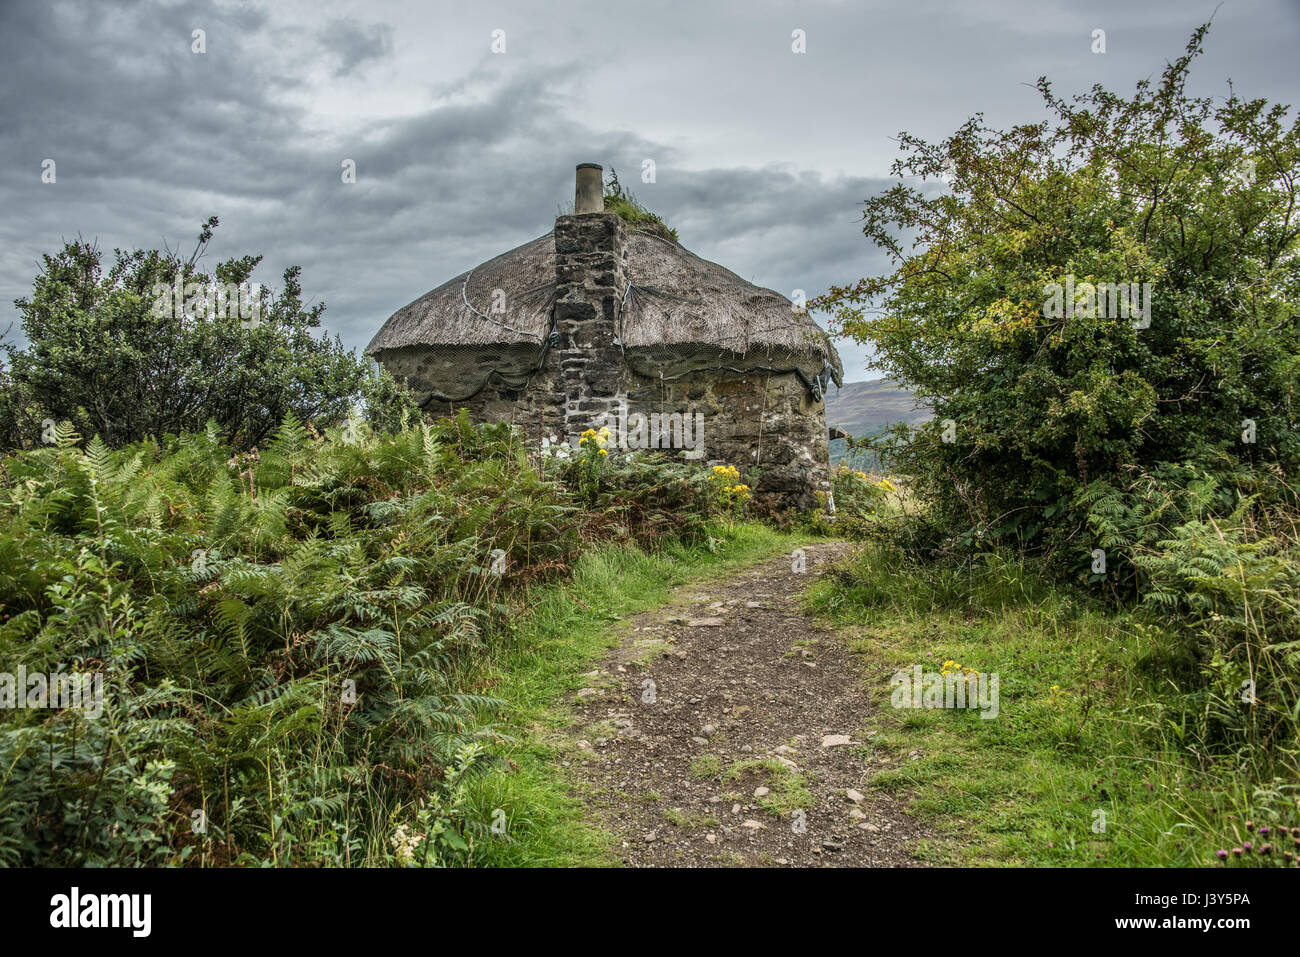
[[865, 408]]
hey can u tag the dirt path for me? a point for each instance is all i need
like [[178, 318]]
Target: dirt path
[[727, 729]]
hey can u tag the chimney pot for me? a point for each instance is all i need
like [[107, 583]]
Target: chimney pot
[[589, 195]]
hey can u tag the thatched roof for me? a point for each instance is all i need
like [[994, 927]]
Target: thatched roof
[[677, 301], [526, 274]]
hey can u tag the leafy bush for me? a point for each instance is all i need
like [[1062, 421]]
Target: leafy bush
[[1033, 405], [1235, 595], [114, 353], [1146, 457], [857, 495], [648, 497]]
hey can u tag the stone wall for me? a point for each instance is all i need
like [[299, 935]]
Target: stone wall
[[534, 403], [767, 425]]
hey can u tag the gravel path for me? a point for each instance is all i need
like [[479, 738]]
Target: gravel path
[[729, 729]]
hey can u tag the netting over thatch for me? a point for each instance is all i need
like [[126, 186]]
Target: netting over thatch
[[676, 301], [460, 311]]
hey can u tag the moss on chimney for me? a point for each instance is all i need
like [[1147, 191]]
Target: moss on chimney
[[621, 201]]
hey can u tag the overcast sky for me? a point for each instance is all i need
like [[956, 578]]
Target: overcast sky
[[762, 156]]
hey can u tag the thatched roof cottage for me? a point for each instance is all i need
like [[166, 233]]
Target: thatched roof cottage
[[604, 323]]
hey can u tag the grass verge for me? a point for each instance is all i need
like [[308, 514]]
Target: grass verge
[[1082, 764]]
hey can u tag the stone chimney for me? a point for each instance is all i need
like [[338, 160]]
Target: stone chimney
[[590, 283]]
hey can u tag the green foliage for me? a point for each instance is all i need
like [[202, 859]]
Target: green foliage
[[858, 497], [292, 640], [621, 201], [1196, 196], [1272, 839], [647, 497], [730, 494], [1234, 592], [109, 351]]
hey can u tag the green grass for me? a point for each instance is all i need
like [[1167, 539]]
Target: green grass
[[706, 766], [570, 628], [787, 790], [1082, 730], [676, 818]]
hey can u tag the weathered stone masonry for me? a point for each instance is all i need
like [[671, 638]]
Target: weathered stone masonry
[[590, 283]]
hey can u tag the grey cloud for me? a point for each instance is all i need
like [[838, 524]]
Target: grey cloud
[[354, 43], [762, 157]]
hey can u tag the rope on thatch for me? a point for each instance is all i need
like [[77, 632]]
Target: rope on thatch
[[485, 316], [746, 371], [793, 335]]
